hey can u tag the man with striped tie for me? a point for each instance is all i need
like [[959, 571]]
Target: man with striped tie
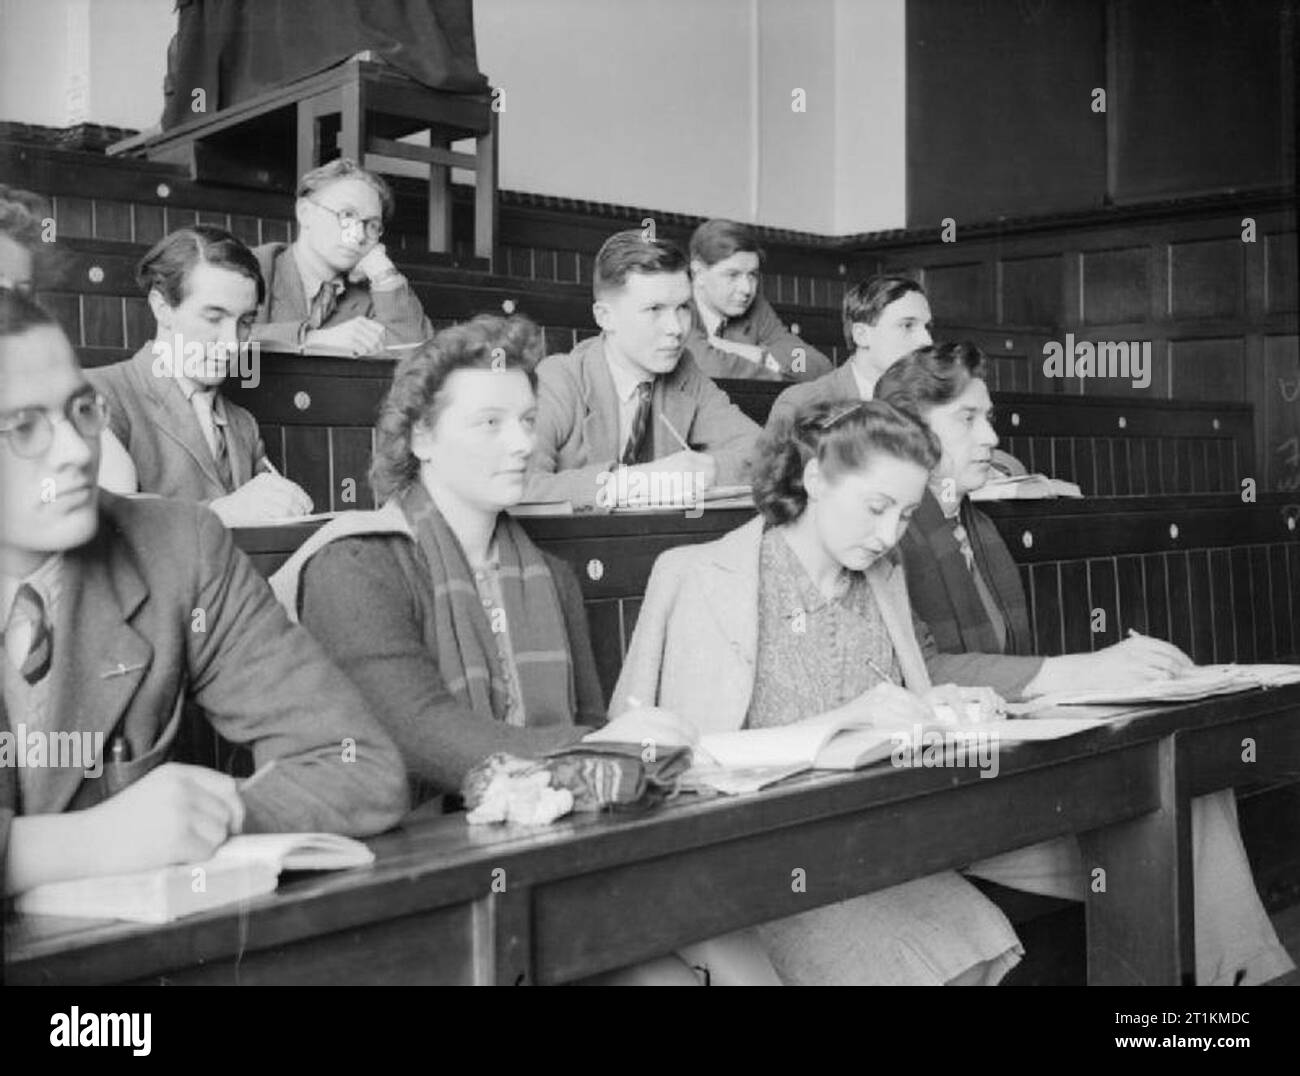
[[115, 612], [633, 397], [187, 438]]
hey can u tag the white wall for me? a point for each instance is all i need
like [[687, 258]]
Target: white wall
[[680, 105]]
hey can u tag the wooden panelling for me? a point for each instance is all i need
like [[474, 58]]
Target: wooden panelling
[[1115, 286], [962, 292], [1208, 369], [1030, 291], [1281, 418], [1282, 292], [1206, 278]]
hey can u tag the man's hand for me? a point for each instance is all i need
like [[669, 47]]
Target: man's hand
[[752, 352], [174, 814], [983, 703], [374, 265], [359, 336], [267, 496]]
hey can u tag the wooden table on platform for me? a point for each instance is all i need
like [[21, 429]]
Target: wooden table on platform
[[450, 903]]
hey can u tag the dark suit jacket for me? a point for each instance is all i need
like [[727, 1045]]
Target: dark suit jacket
[[839, 384], [160, 608], [944, 596], [282, 319], [577, 424], [151, 417], [759, 325]]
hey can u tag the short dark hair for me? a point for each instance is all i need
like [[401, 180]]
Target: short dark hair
[[19, 314], [715, 240], [21, 214], [930, 377], [487, 342], [346, 168], [866, 300], [170, 261], [842, 435], [631, 252]]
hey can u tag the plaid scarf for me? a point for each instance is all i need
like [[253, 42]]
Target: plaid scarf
[[942, 589], [466, 647]]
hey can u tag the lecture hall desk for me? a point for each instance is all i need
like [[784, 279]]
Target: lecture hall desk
[[597, 892]]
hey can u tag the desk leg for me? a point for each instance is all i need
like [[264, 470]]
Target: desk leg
[[1140, 926], [485, 195], [503, 939], [439, 205]]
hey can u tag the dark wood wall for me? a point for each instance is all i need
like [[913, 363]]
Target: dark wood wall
[[1199, 98]]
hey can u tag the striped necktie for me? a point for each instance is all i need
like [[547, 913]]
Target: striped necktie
[[638, 439], [207, 400], [323, 305], [28, 640]]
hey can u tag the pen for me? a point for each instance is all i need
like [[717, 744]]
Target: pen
[[248, 782]]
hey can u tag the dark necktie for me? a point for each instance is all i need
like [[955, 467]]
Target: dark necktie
[[639, 440], [220, 447], [323, 305], [35, 663]]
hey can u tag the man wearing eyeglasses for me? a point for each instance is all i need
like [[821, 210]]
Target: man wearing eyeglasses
[[116, 611], [334, 288]]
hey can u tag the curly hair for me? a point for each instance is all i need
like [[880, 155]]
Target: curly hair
[[21, 214], [931, 376], [487, 342], [842, 435]]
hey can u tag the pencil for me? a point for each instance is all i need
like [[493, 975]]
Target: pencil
[[671, 429]]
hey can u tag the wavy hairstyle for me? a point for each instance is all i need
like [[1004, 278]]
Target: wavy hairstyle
[[843, 436], [487, 342], [931, 376]]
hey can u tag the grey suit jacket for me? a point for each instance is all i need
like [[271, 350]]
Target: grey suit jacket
[[127, 657], [839, 384], [152, 418], [577, 424]]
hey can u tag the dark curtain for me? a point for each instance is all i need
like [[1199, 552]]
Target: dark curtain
[[237, 49]]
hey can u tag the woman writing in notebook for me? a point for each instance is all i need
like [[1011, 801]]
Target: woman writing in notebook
[[463, 635], [799, 613], [964, 585]]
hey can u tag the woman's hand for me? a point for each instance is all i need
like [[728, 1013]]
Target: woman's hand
[[888, 705], [966, 705], [1137, 660], [647, 723]]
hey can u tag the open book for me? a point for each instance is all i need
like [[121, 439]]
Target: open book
[[1025, 487], [242, 868], [825, 742]]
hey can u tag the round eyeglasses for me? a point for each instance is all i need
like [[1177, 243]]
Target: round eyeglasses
[[373, 226], [30, 432]]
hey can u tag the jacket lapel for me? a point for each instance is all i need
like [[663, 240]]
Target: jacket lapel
[[99, 659], [731, 590], [958, 586], [885, 580], [288, 292], [173, 415], [678, 407], [599, 406]]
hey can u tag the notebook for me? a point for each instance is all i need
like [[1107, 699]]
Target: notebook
[[1025, 487], [1199, 682], [825, 742], [244, 867]]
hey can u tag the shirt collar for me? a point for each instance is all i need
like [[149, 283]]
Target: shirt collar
[[712, 321], [312, 282], [43, 580], [625, 382], [866, 384]]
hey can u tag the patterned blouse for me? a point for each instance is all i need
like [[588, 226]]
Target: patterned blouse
[[811, 648]]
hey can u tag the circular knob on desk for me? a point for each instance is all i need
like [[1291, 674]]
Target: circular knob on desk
[[842, 269], [1290, 521], [1027, 539], [595, 569], [508, 305], [163, 191], [1015, 418], [1173, 532], [794, 327], [1008, 344], [301, 400], [1214, 424], [96, 274], [1123, 422]]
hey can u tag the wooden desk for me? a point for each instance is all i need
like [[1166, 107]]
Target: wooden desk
[[596, 893]]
